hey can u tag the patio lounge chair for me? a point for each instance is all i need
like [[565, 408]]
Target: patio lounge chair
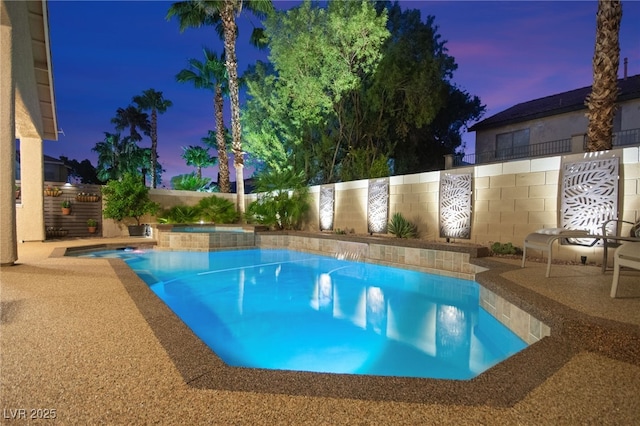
[[543, 240], [628, 254], [612, 241]]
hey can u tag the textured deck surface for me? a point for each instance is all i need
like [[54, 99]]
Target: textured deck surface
[[86, 338]]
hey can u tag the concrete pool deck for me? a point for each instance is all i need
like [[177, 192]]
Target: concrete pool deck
[[85, 338]]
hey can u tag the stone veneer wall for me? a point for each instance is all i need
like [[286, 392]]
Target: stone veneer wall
[[432, 260], [525, 326], [201, 241], [510, 200]]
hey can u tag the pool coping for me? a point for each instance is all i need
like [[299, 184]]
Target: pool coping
[[501, 386]]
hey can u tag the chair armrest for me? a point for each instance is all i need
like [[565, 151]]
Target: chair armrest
[[618, 222]]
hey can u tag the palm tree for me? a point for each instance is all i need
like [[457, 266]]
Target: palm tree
[[211, 75], [213, 140], [151, 100], [198, 157], [202, 12], [601, 103], [132, 118], [117, 156]]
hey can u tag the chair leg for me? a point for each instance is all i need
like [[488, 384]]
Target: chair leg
[[604, 257], [524, 255], [548, 263], [616, 277]]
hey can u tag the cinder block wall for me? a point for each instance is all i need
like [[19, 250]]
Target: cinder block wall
[[350, 206], [510, 200], [416, 198]]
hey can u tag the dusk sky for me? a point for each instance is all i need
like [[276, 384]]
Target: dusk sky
[[104, 53]]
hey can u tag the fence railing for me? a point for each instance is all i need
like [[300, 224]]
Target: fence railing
[[535, 150], [550, 148], [623, 138]]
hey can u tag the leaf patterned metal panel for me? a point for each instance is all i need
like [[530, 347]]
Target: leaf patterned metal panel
[[378, 205], [327, 209], [455, 205], [589, 194]]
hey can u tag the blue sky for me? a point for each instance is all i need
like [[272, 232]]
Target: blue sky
[[104, 53]]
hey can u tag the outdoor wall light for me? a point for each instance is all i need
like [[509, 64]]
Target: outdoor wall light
[[327, 207], [378, 205]]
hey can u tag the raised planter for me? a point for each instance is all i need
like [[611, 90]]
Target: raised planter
[[136, 230], [87, 198], [56, 233], [52, 192]]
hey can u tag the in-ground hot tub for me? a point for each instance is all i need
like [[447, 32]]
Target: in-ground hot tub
[[204, 236]]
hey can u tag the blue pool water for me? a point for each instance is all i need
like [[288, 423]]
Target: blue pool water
[[281, 309]]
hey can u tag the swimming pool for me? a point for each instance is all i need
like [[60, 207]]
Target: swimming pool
[[281, 309]]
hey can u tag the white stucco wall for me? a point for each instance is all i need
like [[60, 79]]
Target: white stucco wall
[[562, 126]]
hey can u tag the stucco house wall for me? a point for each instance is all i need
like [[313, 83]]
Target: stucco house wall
[[557, 127], [27, 113], [630, 115], [552, 118]]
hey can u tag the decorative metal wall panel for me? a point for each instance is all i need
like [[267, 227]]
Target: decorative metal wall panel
[[455, 205], [378, 205], [589, 194], [327, 203]]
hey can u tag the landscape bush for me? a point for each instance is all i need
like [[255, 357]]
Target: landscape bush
[[401, 227], [189, 182], [284, 200], [507, 248], [180, 214], [218, 210]]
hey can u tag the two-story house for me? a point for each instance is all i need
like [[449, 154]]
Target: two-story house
[[552, 125]]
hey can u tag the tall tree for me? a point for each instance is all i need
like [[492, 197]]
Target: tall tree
[[117, 156], [198, 157], [133, 119], [319, 55], [215, 140], [601, 103], [82, 170], [269, 131], [202, 12], [211, 75], [410, 106], [152, 100], [402, 116]]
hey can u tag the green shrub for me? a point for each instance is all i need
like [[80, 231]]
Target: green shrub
[[401, 227], [218, 210], [364, 163], [127, 198], [283, 201], [189, 182], [507, 248], [180, 214]]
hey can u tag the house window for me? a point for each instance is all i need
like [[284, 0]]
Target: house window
[[512, 144]]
